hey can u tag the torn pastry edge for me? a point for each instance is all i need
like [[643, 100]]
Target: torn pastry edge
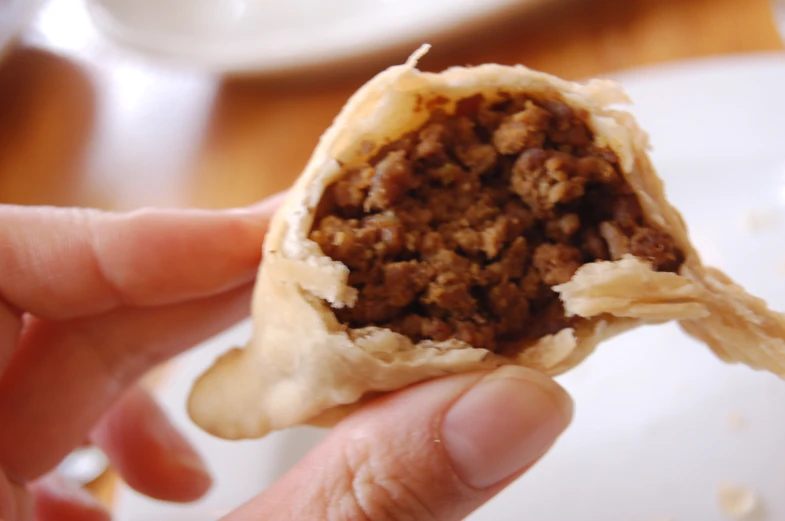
[[288, 251]]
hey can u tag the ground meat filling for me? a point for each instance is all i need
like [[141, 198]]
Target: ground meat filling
[[461, 228]]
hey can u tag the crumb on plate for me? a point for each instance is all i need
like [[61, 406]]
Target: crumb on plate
[[736, 501], [735, 420], [759, 220]]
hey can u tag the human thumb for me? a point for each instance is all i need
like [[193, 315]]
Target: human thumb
[[434, 451]]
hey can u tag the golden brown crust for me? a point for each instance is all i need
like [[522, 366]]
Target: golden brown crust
[[302, 366]]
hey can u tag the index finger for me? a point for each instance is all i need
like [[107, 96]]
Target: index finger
[[61, 263]]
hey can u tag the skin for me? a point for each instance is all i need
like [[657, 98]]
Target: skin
[[91, 301]]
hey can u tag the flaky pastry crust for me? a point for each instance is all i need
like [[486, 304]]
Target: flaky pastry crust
[[302, 366]]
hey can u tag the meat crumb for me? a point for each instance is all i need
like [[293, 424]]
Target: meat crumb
[[393, 178], [556, 263]]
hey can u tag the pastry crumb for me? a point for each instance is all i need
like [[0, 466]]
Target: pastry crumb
[[736, 501], [759, 220], [781, 267], [735, 420]]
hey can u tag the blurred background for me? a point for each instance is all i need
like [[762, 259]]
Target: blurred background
[[119, 104]]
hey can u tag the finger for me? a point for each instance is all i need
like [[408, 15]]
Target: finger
[[15, 501], [62, 263], [10, 325], [65, 375], [148, 452], [436, 451], [7, 500], [56, 499]]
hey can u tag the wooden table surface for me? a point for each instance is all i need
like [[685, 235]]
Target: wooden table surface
[[84, 122]]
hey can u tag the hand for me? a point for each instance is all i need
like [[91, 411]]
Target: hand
[[90, 301], [434, 452], [106, 297]]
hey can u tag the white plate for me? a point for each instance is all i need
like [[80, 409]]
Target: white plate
[[660, 422], [281, 35]]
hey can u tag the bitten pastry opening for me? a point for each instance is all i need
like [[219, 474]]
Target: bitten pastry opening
[[461, 228]]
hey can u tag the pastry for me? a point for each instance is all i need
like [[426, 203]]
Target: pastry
[[459, 221]]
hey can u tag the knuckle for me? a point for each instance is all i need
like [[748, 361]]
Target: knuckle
[[376, 489]]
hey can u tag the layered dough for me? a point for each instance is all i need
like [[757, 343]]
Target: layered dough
[[465, 220]]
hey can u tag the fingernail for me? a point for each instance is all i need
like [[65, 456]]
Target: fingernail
[[195, 472], [503, 424], [191, 461], [178, 448]]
